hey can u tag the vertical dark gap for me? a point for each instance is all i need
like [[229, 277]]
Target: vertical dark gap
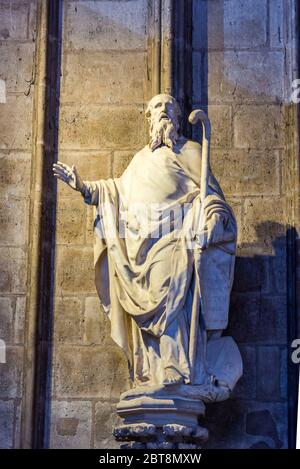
[[43, 365], [182, 67]]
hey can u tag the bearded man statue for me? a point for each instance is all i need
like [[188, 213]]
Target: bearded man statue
[[147, 237]]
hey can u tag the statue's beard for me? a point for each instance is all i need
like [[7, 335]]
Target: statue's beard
[[163, 132]]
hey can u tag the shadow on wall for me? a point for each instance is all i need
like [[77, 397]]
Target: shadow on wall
[[256, 416]]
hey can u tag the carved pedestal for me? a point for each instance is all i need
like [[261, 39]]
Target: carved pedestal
[[165, 416]]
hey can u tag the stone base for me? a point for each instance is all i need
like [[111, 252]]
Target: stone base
[[162, 417]]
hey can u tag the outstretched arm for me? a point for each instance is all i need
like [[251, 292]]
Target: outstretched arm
[[71, 177]]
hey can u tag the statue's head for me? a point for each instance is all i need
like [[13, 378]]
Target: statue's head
[[163, 113]]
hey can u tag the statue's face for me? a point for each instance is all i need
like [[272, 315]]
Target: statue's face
[[163, 114], [162, 107]]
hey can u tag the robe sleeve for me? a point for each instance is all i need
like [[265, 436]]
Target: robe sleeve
[[90, 192]]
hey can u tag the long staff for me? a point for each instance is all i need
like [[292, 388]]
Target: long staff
[[199, 116]]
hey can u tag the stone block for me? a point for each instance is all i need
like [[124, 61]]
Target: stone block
[[14, 20], [101, 127], [6, 319], [276, 23], [268, 384], [264, 223], [91, 165], [19, 320], [246, 386], [258, 126], [17, 65], [68, 327], [247, 425], [251, 274], [90, 219], [106, 25], [13, 275], [284, 391], [120, 162], [245, 76], [14, 222], [278, 267], [105, 419], [32, 22], [236, 206], [220, 117], [90, 372], [256, 318], [6, 423], [267, 423], [70, 221], [96, 324], [74, 270], [15, 175], [247, 172], [220, 24], [16, 123], [11, 373], [71, 425], [105, 78]]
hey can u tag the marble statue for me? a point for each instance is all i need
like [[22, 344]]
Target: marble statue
[[165, 243]]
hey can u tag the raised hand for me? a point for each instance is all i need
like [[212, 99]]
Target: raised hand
[[68, 175]]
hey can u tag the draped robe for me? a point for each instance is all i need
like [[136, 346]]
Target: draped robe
[[146, 238]]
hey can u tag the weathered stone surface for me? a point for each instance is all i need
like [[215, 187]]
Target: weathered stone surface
[[14, 17], [6, 319], [91, 165], [68, 326], [267, 423], [258, 127], [235, 76], [17, 65], [246, 386], [12, 270], [247, 423], [90, 372], [220, 24], [106, 419], [71, 427], [251, 274], [105, 78], [14, 222], [99, 25], [220, 117], [19, 320], [70, 221], [264, 222], [276, 23], [11, 373], [247, 172], [14, 175], [96, 324], [75, 270], [6, 424], [90, 219], [268, 384], [235, 204], [16, 122], [256, 318], [102, 127], [120, 162]]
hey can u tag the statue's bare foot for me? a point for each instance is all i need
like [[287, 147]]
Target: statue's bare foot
[[172, 377]]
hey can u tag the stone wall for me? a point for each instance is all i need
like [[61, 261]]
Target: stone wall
[[242, 72], [17, 67], [103, 95]]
